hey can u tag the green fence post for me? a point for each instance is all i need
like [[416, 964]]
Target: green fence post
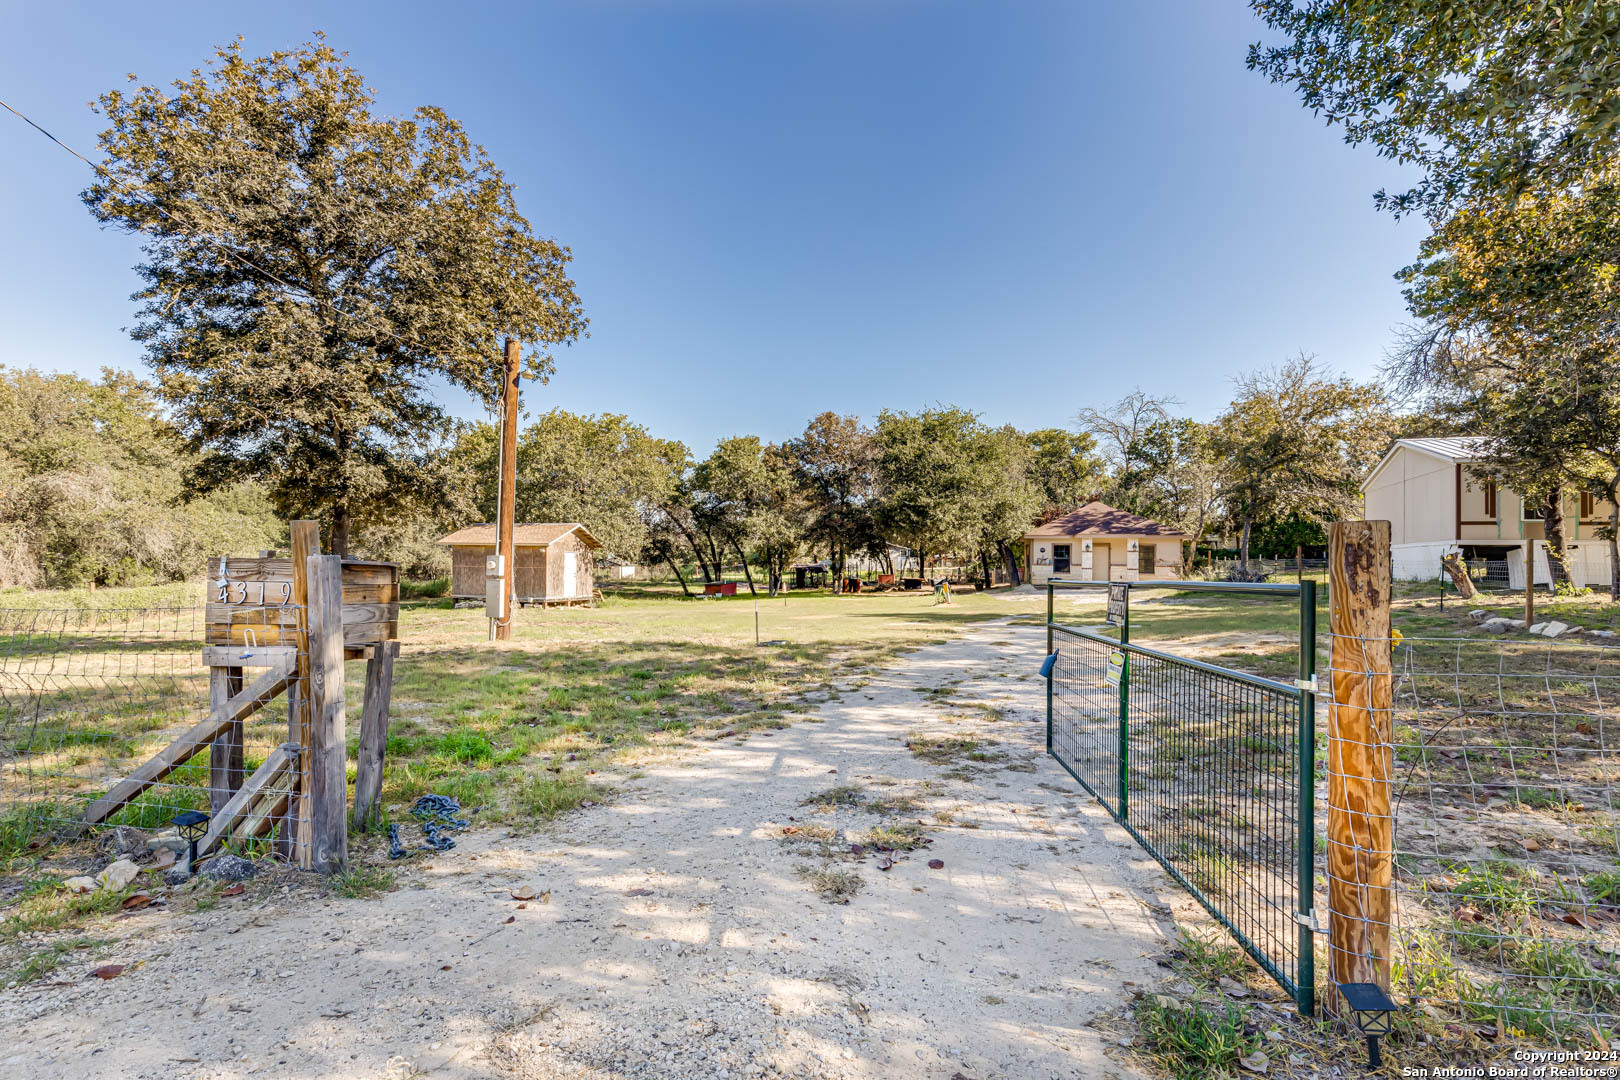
[[1306, 990], [1048, 616], [1124, 733], [1125, 708]]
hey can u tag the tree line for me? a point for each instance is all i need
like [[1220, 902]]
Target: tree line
[[100, 483]]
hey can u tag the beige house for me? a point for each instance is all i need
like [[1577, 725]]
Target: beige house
[[1438, 500], [1100, 543], [555, 562]]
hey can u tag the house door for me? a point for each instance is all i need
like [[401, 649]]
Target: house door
[[570, 574], [1060, 558], [1100, 559]]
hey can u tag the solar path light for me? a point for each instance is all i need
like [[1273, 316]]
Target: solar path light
[[1371, 1008]]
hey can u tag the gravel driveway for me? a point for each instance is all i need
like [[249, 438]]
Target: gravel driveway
[[674, 931]]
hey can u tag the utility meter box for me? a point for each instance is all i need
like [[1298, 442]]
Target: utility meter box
[[495, 587]]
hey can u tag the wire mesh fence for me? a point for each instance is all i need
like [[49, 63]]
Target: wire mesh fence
[[1506, 843], [1202, 765], [110, 717]]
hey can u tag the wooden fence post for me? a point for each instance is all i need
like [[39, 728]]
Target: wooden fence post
[[1360, 757], [225, 764], [306, 541], [374, 729], [328, 801]]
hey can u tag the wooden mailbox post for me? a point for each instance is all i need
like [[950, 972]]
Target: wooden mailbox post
[[312, 612], [298, 619]]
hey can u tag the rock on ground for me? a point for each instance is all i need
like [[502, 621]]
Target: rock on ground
[[227, 868]]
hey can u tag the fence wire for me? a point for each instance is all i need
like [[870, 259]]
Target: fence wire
[[87, 697], [1211, 784], [1506, 843]]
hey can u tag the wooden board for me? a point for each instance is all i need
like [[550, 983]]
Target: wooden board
[[374, 730], [255, 601], [219, 721], [277, 768], [240, 656]]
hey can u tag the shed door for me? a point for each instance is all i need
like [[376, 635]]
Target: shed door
[[570, 573]]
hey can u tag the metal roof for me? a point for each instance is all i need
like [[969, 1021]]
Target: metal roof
[[537, 534], [1456, 448]]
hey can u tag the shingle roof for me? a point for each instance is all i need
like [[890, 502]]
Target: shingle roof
[[534, 534], [1100, 519]]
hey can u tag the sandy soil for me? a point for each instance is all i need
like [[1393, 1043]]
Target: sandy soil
[[678, 938]]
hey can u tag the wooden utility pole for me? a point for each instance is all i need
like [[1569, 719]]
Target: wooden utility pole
[[1360, 757], [503, 535]]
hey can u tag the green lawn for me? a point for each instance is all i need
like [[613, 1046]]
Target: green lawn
[[581, 688]]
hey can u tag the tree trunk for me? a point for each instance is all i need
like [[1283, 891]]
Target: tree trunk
[[1007, 556], [1243, 546], [340, 529], [703, 566], [748, 575], [669, 557], [984, 564], [1552, 524], [1614, 544]]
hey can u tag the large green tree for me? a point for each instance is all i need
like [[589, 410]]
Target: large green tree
[[1118, 431], [1483, 96], [1065, 468], [605, 471], [952, 485], [836, 463], [1295, 440], [313, 270], [1517, 298]]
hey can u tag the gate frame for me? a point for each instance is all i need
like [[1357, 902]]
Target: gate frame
[[1303, 988]]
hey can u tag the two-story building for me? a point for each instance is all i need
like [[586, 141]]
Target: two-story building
[[1439, 498]]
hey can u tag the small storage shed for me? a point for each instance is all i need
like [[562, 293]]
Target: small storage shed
[[555, 562]]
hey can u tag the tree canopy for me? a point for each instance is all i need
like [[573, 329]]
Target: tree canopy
[[311, 268], [1485, 96]]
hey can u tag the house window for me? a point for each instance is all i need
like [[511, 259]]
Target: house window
[[1490, 498], [1060, 558], [1588, 504], [1145, 557]]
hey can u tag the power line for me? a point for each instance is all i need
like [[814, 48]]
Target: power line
[[220, 246], [48, 135]]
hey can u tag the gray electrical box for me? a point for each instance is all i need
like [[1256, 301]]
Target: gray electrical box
[[495, 587]]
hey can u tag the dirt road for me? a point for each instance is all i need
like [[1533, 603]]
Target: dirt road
[[674, 932]]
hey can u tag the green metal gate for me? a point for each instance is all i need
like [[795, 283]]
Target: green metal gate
[[1209, 769]]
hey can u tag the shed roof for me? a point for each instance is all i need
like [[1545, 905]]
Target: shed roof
[[1100, 519], [527, 534]]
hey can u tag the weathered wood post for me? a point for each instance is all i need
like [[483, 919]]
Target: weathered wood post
[[225, 764], [368, 774], [1360, 754], [328, 801], [306, 541]]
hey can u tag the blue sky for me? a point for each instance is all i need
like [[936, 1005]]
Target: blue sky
[[780, 208]]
